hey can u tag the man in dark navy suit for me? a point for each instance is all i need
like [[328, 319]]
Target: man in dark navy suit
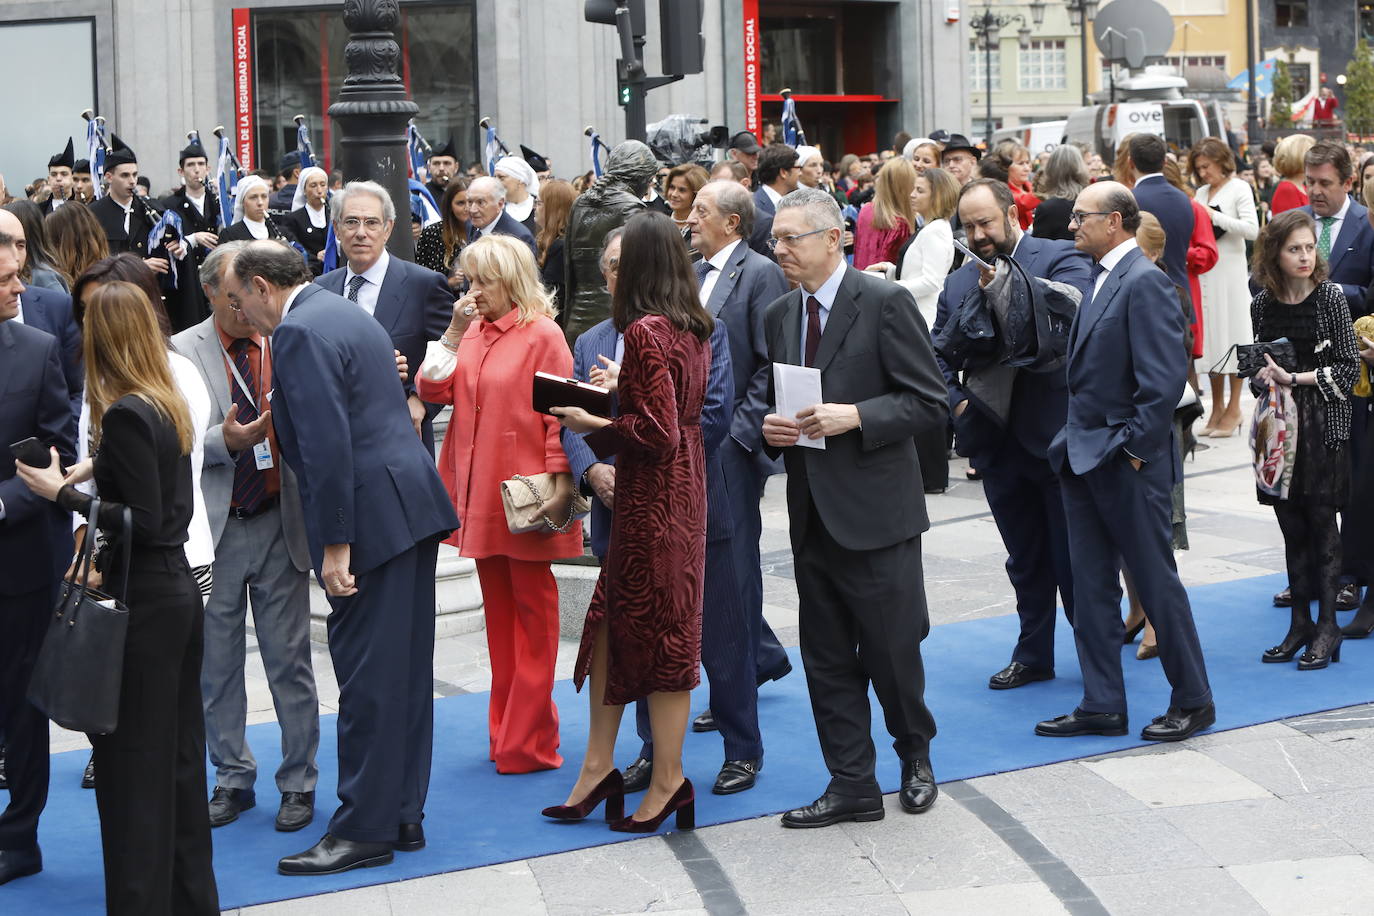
[[1022, 490], [50, 310], [1173, 208], [33, 403], [412, 303], [1344, 237], [776, 177], [737, 286], [1118, 460], [487, 212], [375, 511]]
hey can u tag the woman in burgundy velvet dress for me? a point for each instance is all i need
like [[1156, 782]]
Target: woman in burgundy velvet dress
[[643, 630]]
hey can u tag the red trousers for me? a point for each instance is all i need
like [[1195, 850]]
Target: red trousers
[[520, 600]]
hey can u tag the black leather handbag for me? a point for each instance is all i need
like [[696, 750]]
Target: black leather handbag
[[1250, 357], [77, 675]]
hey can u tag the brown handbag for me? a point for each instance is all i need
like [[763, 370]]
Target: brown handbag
[[521, 494]]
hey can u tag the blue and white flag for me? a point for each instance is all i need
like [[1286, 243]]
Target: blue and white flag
[[169, 220], [1264, 79], [792, 133], [597, 147], [303, 145], [493, 150], [422, 204], [95, 155], [226, 180], [331, 249], [415, 147]]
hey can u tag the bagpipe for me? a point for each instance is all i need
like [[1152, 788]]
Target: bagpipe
[[96, 146], [493, 148], [597, 147], [228, 171]]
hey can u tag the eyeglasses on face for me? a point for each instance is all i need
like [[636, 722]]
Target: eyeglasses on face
[[1081, 216], [371, 223], [790, 240]]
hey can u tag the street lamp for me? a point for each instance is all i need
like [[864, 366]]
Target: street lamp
[[1081, 15], [987, 26]]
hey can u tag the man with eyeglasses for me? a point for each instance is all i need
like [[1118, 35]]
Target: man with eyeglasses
[[1022, 489], [856, 506], [413, 303], [1118, 463]]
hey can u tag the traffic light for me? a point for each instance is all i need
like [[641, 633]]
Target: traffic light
[[684, 50]]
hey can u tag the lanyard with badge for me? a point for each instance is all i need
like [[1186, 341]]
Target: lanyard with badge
[[262, 451]]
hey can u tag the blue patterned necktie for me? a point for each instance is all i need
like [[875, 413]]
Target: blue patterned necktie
[[353, 286]]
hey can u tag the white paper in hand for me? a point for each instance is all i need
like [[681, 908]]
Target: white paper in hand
[[797, 388]]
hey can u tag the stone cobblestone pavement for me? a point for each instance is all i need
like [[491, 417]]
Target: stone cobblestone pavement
[[1274, 818]]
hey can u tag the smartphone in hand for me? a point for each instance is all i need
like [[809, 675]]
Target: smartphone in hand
[[31, 452]]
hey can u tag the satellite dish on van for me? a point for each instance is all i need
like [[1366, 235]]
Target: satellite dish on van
[[1133, 31]]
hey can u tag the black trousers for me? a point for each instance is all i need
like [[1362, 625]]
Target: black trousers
[[862, 618], [1117, 516], [746, 482], [382, 644], [151, 794], [23, 729], [1027, 503]]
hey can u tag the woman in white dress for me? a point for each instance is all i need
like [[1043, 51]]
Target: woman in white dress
[[1226, 287]]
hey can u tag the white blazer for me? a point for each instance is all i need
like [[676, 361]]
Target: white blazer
[[925, 265]]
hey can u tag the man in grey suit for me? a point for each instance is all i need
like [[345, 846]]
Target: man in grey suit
[[856, 507], [1118, 461], [737, 286], [261, 555]]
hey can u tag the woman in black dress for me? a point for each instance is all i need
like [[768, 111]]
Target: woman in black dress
[[1297, 302], [251, 219], [551, 212], [154, 823], [440, 243]]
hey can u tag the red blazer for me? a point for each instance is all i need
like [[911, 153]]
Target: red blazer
[[1287, 196], [1202, 257], [1026, 202], [494, 433]]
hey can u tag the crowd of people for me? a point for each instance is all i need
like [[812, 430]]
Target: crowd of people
[[264, 414]]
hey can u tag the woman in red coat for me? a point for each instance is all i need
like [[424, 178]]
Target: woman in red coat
[[643, 631], [503, 332]]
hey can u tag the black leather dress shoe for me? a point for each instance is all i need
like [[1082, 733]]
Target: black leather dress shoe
[[16, 863], [1079, 722], [1177, 724], [227, 804], [832, 809], [736, 776], [410, 838], [1018, 675], [918, 786], [332, 855], [296, 811], [1284, 598], [706, 722], [88, 774], [776, 673], [1348, 598], [638, 774]]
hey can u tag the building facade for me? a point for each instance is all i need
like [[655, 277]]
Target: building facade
[[1316, 37], [158, 69]]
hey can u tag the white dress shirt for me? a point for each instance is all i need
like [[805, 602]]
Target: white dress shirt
[[718, 263], [825, 296], [1336, 223], [368, 292], [1110, 260], [774, 196]]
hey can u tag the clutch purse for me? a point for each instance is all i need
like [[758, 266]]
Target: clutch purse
[[1250, 357], [79, 669], [554, 391], [521, 494]]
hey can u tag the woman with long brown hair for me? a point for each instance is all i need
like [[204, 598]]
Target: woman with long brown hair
[[643, 632], [551, 214], [155, 826], [886, 221], [440, 243], [75, 241], [1298, 302]]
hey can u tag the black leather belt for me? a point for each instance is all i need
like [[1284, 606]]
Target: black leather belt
[[241, 513]]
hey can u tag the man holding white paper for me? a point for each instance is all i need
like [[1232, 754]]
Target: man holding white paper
[[857, 507]]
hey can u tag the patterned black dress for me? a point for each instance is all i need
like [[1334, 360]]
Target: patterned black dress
[[1320, 330]]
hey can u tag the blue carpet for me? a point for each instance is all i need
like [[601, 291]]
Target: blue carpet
[[476, 817]]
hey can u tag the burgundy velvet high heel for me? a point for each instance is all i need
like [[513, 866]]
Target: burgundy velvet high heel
[[611, 789], [683, 803]]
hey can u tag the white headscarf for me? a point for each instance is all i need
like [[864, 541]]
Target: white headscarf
[[909, 151], [521, 171], [806, 152], [244, 186], [299, 200]]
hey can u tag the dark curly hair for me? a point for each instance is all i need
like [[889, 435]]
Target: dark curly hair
[[1264, 265]]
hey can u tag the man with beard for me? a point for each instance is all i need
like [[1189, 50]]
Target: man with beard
[[1022, 491], [610, 202], [443, 165]]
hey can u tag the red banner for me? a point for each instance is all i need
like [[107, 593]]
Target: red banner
[[243, 86], [753, 69]]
